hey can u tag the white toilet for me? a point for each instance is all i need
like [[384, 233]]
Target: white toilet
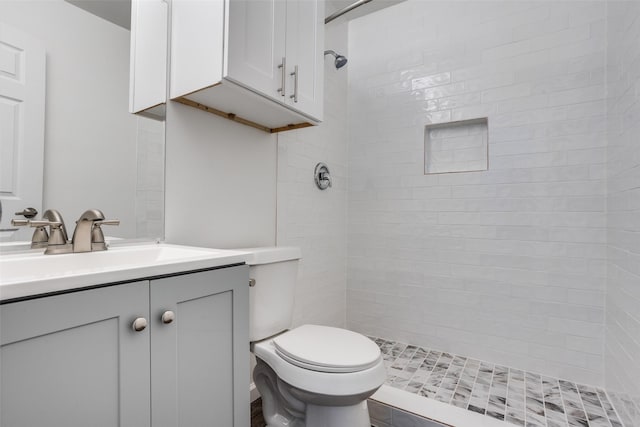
[[309, 376]]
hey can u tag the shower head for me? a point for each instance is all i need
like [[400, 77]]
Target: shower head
[[340, 60]]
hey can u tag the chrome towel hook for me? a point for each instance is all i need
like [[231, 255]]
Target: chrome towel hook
[[322, 176]]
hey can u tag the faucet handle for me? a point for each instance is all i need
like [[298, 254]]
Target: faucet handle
[[44, 223], [35, 223], [40, 236], [57, 236], [97, 236], [107, 222], [96, 233]]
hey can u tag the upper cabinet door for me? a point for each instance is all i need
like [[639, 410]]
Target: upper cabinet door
[[256, 45], [148, 62], [305, 56], [197, 41]]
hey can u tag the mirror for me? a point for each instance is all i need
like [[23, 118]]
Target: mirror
[[96, 154]]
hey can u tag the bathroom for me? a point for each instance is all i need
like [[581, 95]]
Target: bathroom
[[529, 261]]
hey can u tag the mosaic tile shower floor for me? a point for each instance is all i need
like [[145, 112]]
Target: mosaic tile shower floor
[[507, 394]]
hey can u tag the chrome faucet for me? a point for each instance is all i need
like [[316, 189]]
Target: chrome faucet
[[88, 235]]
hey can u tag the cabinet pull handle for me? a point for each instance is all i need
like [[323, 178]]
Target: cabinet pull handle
[[283, 80], [295, 84], [168, 317], [139, 324]]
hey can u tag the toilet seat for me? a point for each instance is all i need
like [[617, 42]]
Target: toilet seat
[[327, 349], [315, 381]]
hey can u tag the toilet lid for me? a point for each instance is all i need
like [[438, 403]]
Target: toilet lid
[[327, 349]]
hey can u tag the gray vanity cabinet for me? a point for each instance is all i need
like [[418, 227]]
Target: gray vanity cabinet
[[75, 360]]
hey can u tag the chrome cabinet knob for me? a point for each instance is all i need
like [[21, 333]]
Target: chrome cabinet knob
[[168, 317], [139, 324]]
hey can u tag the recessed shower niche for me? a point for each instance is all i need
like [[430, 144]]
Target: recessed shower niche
[[456, 146]]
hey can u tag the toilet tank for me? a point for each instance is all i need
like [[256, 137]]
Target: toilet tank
[[274, 271]]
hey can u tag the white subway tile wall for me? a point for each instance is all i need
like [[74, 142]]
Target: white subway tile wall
[[150, 179], [508, 264], [622, 351], [315, 220]]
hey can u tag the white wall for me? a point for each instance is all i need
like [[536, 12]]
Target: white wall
[[506, 265], [220, 181], [312, 219], [90, 137], [622, 353]]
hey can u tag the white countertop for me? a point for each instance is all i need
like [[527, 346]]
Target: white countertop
[[30, 273]]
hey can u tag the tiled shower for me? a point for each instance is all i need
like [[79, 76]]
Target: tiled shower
[[532, 259], [499, 392]]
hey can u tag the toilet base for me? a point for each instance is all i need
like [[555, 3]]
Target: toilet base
[[286, 406], [336, 416]]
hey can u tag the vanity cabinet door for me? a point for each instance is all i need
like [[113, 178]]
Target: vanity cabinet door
[[75, 360], [200, 358]]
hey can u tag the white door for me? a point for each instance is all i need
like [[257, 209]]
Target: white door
[[305, 50], [22, 94], [257, 45]]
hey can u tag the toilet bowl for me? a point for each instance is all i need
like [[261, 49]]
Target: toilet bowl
[[309, 376]]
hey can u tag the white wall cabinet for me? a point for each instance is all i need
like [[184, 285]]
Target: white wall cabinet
[[258, 62], [148, 57], [75, 360], [305, 47]]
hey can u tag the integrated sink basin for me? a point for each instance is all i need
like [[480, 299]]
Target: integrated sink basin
[[33, 273]]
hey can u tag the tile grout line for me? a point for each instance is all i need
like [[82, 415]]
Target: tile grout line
[[615, 408], [495, 379], [475, 375], [580, 402], [435, 364], [513, 399], [457, 379], [544, 410], [605, 409]]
